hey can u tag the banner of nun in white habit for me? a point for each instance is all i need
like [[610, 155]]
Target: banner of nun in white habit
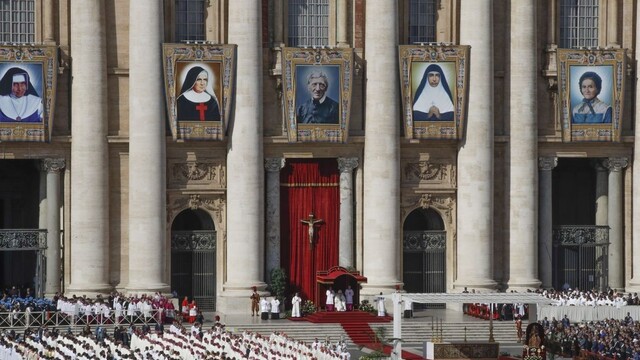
[[434, 87], [27, 92], [591, 92], [199, 85]]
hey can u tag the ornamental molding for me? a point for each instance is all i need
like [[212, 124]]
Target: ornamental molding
[[444, 204], [616, 164], [207, 172], [53, 165], [212, 204], [274, 164], [547, 163], [347, 164], [429, 172]]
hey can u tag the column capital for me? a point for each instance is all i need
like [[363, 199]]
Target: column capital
[[274, 164], [347, 164], [547, 163], [53, 165], [616, 163]]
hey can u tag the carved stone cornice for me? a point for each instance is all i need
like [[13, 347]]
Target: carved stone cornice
[[274, 164], [53, 165], [614, 164], [347, 164], [547, 163]]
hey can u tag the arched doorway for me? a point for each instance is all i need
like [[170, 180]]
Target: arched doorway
[[424, 253], [193, 257]]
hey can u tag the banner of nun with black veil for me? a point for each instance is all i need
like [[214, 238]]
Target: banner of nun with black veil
[[27, 92], [433, 84], [199, 85]]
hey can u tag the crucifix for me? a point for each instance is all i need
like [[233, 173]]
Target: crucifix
[[311, 222]]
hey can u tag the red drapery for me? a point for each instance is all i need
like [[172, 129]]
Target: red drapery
[[309, 186]]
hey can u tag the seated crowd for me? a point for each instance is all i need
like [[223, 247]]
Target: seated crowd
[[576, 297], [177, 343]]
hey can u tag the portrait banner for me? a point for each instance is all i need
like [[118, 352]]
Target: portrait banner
[[317, 86], [433, 86], [591, 93], [28, 77], [199, 88]]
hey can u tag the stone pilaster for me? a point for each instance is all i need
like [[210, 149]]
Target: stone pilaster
[[89, 151], [523, 148], [346, 166], [341, 28], [602, 192], [545, 219], [381, 217], [475, 155], [245, 168], [273, 166], [53, 167], [616, 166], [634, 283], [147, 173]]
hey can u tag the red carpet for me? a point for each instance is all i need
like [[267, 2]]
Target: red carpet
[[357, 325]]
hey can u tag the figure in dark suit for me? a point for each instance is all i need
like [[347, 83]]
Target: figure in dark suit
[[319, 108]]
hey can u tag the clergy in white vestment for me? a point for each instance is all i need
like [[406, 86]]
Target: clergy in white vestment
[[295, 303], [380, 305]]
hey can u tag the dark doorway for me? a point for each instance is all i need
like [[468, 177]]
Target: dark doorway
[[193, 258], [424, 254]]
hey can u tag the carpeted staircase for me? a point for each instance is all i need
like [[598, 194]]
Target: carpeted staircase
[[359, 326]]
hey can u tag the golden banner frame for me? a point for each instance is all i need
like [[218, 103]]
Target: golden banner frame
[[326, 120], [584, 116], [182, 62], [30, 118], [422, 115]]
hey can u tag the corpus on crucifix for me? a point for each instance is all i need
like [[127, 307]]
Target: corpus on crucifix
[[311, 222]]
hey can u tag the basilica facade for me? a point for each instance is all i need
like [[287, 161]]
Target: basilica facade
[[515, 179]]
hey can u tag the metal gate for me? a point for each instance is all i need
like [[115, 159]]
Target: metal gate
[[580, 257], [424, 265], [193, 266], [28, 240]]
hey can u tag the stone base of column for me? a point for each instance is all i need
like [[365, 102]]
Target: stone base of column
[[235, 300], [522, 285], [479, 285], [149, 289], [376, 289], [90, 290], [634, 286]]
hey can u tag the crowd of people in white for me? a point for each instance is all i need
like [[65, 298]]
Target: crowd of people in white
[[176, 343], [577, 297]]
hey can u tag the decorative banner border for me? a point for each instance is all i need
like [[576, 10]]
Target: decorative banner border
[[31, 117], [582, 118], [422, 121], [325, 122], [219, 64]]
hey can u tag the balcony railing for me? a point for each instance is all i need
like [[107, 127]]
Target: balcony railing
[[424, 240], [21, 239], [567, 235]]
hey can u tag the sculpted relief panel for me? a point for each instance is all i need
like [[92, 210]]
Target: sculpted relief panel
[[429, 173], [209, 173]]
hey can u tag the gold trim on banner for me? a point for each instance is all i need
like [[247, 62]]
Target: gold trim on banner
[[309, 184]]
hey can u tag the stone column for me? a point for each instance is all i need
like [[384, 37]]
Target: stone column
[[545, 220], [523, 148], [341, 31], [245, 168], [346, 166], [147, 173], [89, 151], [602, 193], [616, 220], [475, 155], [53, 168], [381, 193], [278, 23], [612, 25], [273, 166], [634, 283]]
